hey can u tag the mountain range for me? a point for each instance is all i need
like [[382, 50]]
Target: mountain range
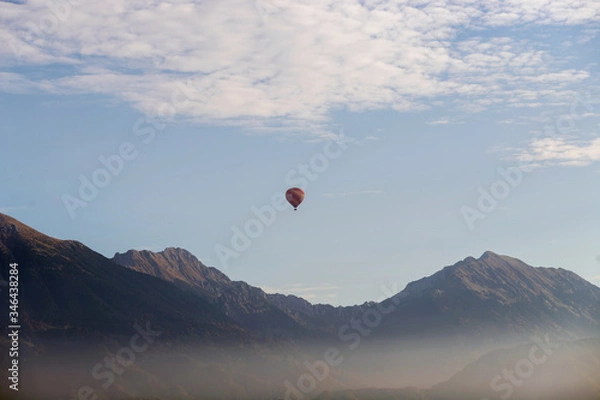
[[476, 296], [73, 296]]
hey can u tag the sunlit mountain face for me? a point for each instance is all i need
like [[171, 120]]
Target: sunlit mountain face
[[164, 324]]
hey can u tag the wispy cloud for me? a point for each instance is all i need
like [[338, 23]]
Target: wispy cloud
[[371, 138], [507, 121], [319, 297], [10, 209], [562, 152], [240, 61], [443, 121], [344, 194], [322, 292], [595, 280]]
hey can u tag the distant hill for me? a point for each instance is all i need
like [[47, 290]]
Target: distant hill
[[548, 369], [563, 370]]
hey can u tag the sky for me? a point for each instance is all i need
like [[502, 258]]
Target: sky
[[422, 132]]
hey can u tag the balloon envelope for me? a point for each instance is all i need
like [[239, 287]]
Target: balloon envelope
[[294, 196]]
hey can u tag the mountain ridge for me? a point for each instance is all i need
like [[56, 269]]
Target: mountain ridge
[[498, 282], [493, 291], [494, 285], [69, 289], [247, 305]]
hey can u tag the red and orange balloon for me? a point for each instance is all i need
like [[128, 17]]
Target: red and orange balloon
[[294, 196]]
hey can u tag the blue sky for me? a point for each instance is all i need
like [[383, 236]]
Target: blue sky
[[413, 105]]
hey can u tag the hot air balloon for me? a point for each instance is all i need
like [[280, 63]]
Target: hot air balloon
[[294, 196]]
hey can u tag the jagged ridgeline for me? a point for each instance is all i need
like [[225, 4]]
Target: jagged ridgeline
[[163, 324]]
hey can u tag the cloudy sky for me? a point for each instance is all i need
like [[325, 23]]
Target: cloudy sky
[[422, 131]]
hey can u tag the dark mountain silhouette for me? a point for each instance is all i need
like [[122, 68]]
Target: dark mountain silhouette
[[66, 281], [247, 305], [466, 309], [70, 293], [496, 294], [326, 316], [474, 297], [68, 290], [444, 321]]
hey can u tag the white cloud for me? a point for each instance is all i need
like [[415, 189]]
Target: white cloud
[[444, 121], [562, 152], [508, 12], [507, 121], [269, 289], [587, 35], [16, 83], [282, 60], [300, 288]]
